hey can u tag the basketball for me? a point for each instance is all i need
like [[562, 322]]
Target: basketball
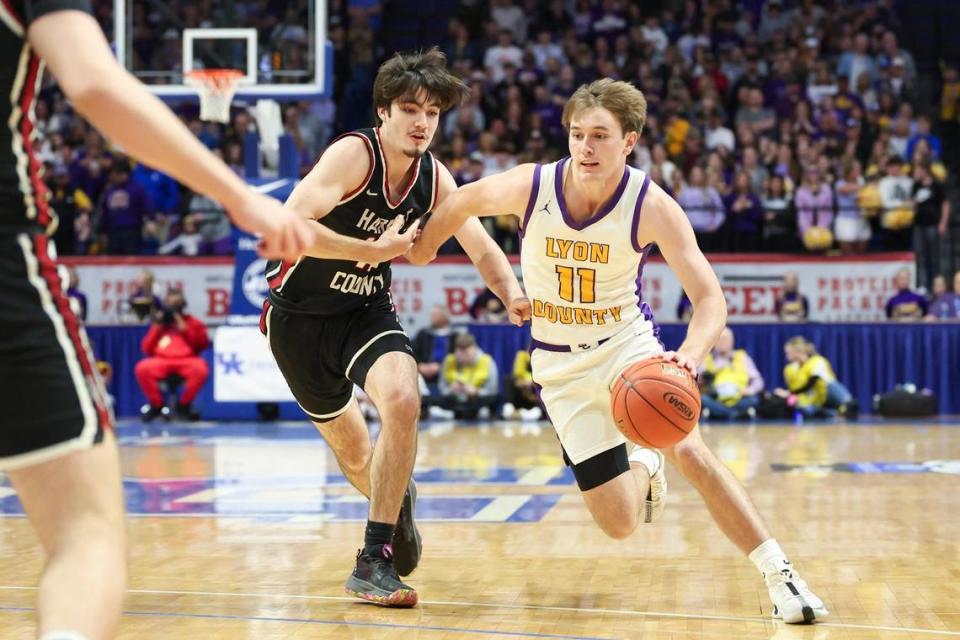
[[655, 402]]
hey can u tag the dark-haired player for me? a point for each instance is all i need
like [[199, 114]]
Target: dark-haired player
[[331, 323]]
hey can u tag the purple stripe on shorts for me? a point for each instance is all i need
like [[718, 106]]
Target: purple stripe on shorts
[[546, 346], [538, 389]]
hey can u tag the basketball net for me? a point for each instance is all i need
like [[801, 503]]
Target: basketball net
[[216, 88]]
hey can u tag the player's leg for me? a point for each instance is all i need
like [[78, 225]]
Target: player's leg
[[322, 359], [621, 490], [75, 504], [724, 496], [349, 439], [392, 384], [738, 518], [615, 490], [304, 350], [377, 358], [56, 444]]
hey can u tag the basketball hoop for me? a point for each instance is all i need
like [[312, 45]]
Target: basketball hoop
[[216, 88]]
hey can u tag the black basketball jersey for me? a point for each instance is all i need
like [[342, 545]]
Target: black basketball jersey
[[23, 196], [329, 287]]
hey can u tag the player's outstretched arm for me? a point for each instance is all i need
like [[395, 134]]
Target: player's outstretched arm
[[488, 257], [340, 171], [501, 194], [663, 221], [76, 52]]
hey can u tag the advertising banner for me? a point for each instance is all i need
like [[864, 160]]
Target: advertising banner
[[244, 368], [839, 289]]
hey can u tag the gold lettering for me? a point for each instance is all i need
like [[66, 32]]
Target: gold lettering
[[563, 314], [581, 251], [577, 250], [552, 248], [550, 312]]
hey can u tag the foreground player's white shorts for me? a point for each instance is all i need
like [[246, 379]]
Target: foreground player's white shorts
[[576, 388]]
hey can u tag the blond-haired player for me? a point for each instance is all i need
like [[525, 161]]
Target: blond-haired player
[[588, 222]]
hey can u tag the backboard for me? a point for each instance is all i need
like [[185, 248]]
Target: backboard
[[283, 53]]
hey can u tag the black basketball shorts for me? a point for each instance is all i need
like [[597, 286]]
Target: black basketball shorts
[[322, 357], [51, 396]]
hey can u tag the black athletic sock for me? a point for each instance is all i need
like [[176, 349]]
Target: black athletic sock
[[377, 533]]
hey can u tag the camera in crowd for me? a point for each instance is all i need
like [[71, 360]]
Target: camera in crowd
[[173, 305]]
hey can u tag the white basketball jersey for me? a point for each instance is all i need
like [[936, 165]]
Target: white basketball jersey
[[583, 279]]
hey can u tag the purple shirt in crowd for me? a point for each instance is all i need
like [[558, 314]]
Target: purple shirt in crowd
[[124, 206], [88, 180], [907, 305], [814, 209], [746, 220], [703, 207], [946, 306], [792, 306]]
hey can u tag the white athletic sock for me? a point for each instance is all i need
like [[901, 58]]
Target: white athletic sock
[[646, 457], [769, 551], [63, 635]]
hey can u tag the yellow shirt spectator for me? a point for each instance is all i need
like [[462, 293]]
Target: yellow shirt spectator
[[731, 380], [809, 380], [522, 371], [468, 370]]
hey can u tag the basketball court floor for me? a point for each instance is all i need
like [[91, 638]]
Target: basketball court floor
[[249, 531]]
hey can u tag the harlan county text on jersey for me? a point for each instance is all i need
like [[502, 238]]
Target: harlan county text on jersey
[[359, 284]]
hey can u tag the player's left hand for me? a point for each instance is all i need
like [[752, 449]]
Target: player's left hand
[[519, 311], [683, 360]]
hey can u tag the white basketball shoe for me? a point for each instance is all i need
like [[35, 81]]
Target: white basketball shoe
[[793, 601], [653, 460]]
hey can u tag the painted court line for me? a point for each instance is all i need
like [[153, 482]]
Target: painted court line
[[344, 623], [532, 607], [501, 508], [539, 475]]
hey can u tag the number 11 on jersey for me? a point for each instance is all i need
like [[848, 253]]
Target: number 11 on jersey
[[587, 279]]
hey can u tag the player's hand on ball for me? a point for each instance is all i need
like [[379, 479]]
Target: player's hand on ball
[[519, 311], [683, 360]]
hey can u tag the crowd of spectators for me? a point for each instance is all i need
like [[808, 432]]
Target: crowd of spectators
[[778, 126]]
